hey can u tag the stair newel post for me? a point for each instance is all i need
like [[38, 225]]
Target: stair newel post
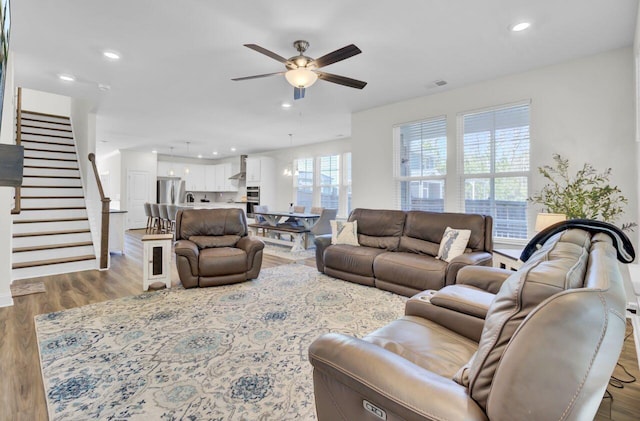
[[106, 202], [17, 195]]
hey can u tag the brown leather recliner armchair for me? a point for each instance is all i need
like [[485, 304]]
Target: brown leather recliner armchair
[[213, 248], [536, 344]]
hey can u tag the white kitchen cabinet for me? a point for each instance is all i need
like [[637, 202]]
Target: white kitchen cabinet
[[210, 177], [253, 171], [163, 169], [261, 172], [220, 177], [194, 174]]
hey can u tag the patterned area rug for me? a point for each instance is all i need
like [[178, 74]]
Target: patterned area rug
[[285, 252], [230, 352]]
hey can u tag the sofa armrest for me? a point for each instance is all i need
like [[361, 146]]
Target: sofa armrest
[[459, 308], [321, 242], [386, 380], [189, 250], [251, 246], [489, 279], [475, 258]]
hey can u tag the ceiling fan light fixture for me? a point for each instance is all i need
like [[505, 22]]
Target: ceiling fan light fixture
[[301, 77]]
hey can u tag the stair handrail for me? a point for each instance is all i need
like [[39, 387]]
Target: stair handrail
[[106, 202], [17, 196]]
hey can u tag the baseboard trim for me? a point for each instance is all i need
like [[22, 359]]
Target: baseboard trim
[[6, 300]]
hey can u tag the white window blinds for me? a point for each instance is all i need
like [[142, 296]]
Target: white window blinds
[[495, 146]]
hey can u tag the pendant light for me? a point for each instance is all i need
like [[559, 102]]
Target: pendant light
[[288, 171], [186, 169]]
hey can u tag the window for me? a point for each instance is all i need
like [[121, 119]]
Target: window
[[420, 156], [303, 182], [495, 175], [329, 181], [346, 183]]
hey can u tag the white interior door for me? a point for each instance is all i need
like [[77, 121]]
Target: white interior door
[[137, 194]]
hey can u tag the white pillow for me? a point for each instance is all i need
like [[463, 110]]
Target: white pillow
[[453, 244], [344, 232]]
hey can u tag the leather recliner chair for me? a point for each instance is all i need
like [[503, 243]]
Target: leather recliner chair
[[536, 344], [213, 248]]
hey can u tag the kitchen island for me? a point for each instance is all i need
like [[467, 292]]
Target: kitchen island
[[214, 205]]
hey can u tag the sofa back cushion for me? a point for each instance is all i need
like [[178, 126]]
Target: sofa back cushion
[[210, 222], [559, 265], [423, 231], [379, 228]]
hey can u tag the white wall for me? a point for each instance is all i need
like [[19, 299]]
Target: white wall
[[44, 102], [582, 109], [6, 193], [110, 166]]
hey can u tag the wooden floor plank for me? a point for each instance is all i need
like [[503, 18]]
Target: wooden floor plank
[[21, 389]]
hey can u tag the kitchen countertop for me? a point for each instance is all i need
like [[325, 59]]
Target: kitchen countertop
[[212, 205]]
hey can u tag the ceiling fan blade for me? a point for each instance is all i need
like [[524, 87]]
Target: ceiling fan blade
[[268, 53], [335, 56], [258, 76], [341, 80], [298, 93]]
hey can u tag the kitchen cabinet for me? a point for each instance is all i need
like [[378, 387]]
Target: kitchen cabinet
[[261, 172], [194, 175], [253, 171], [210, 177]]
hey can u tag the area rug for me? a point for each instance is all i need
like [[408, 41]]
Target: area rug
[[235, 352], [286, 253], [18, 290]]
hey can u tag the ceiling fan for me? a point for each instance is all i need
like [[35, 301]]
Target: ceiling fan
[[302, 71]]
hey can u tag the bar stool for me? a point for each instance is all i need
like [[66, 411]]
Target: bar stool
[[147, 212], [155, 215], [164, 216], [172, 211]]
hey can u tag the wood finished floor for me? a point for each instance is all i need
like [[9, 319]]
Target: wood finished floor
[[21, 388]]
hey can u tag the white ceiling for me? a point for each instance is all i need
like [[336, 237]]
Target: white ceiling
[[173, 83]]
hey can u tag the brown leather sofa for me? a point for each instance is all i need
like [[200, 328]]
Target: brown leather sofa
[[536, 344], [397, 249], [213, 248]]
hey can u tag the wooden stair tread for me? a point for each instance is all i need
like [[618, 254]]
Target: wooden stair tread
[[44, 114], [48, 150], [46, 128], [46, 142], [52, 246], [55, 208], [51, 159], [53, 261], [52, 197], [51, 176], [29, 186], [39, 234], [50, 167], [44, 121], [35, 221], [47, 135]]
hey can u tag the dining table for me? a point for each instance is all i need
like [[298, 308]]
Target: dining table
[[273, 218]]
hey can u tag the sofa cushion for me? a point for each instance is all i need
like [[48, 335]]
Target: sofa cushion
[[559, 265], [424, 230], [222, 261], [425, 343], [204, 242], [415, 271], [352, 259], [210, 222], [386, 225]]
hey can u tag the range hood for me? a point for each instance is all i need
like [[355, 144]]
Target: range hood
[[243, 169]]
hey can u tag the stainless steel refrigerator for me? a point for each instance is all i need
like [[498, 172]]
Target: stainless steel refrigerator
[[170, 190]]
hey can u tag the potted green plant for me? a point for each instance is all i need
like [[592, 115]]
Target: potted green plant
[[587, 195]]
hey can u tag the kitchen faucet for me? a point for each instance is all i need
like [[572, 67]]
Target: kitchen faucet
[[190, 197]]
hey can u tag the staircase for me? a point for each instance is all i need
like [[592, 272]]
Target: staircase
[[51, 234]]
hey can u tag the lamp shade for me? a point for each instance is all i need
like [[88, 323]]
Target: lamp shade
[[301, 77], [544, 220]]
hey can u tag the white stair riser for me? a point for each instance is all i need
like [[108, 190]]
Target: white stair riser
[[51, 203], [51, 214], [49, 155], [44, 190], [34, 256], [44, 182], [50, 226], [45, 125], [51, 171], [44, 131], [44, 138], [44, 240], [50, 163], [39, 271], [44, 118], [54, 147]]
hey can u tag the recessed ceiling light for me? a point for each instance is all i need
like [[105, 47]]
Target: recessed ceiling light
[[233, 149], [199, 155], [286, 105], [215, 152], [521, 26], [154, 151], [111, 55], [67, 78]]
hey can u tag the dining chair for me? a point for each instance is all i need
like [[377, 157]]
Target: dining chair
[[316, 210]]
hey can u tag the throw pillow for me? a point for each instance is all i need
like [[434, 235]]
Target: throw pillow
[[344, 232], [453, 244]]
